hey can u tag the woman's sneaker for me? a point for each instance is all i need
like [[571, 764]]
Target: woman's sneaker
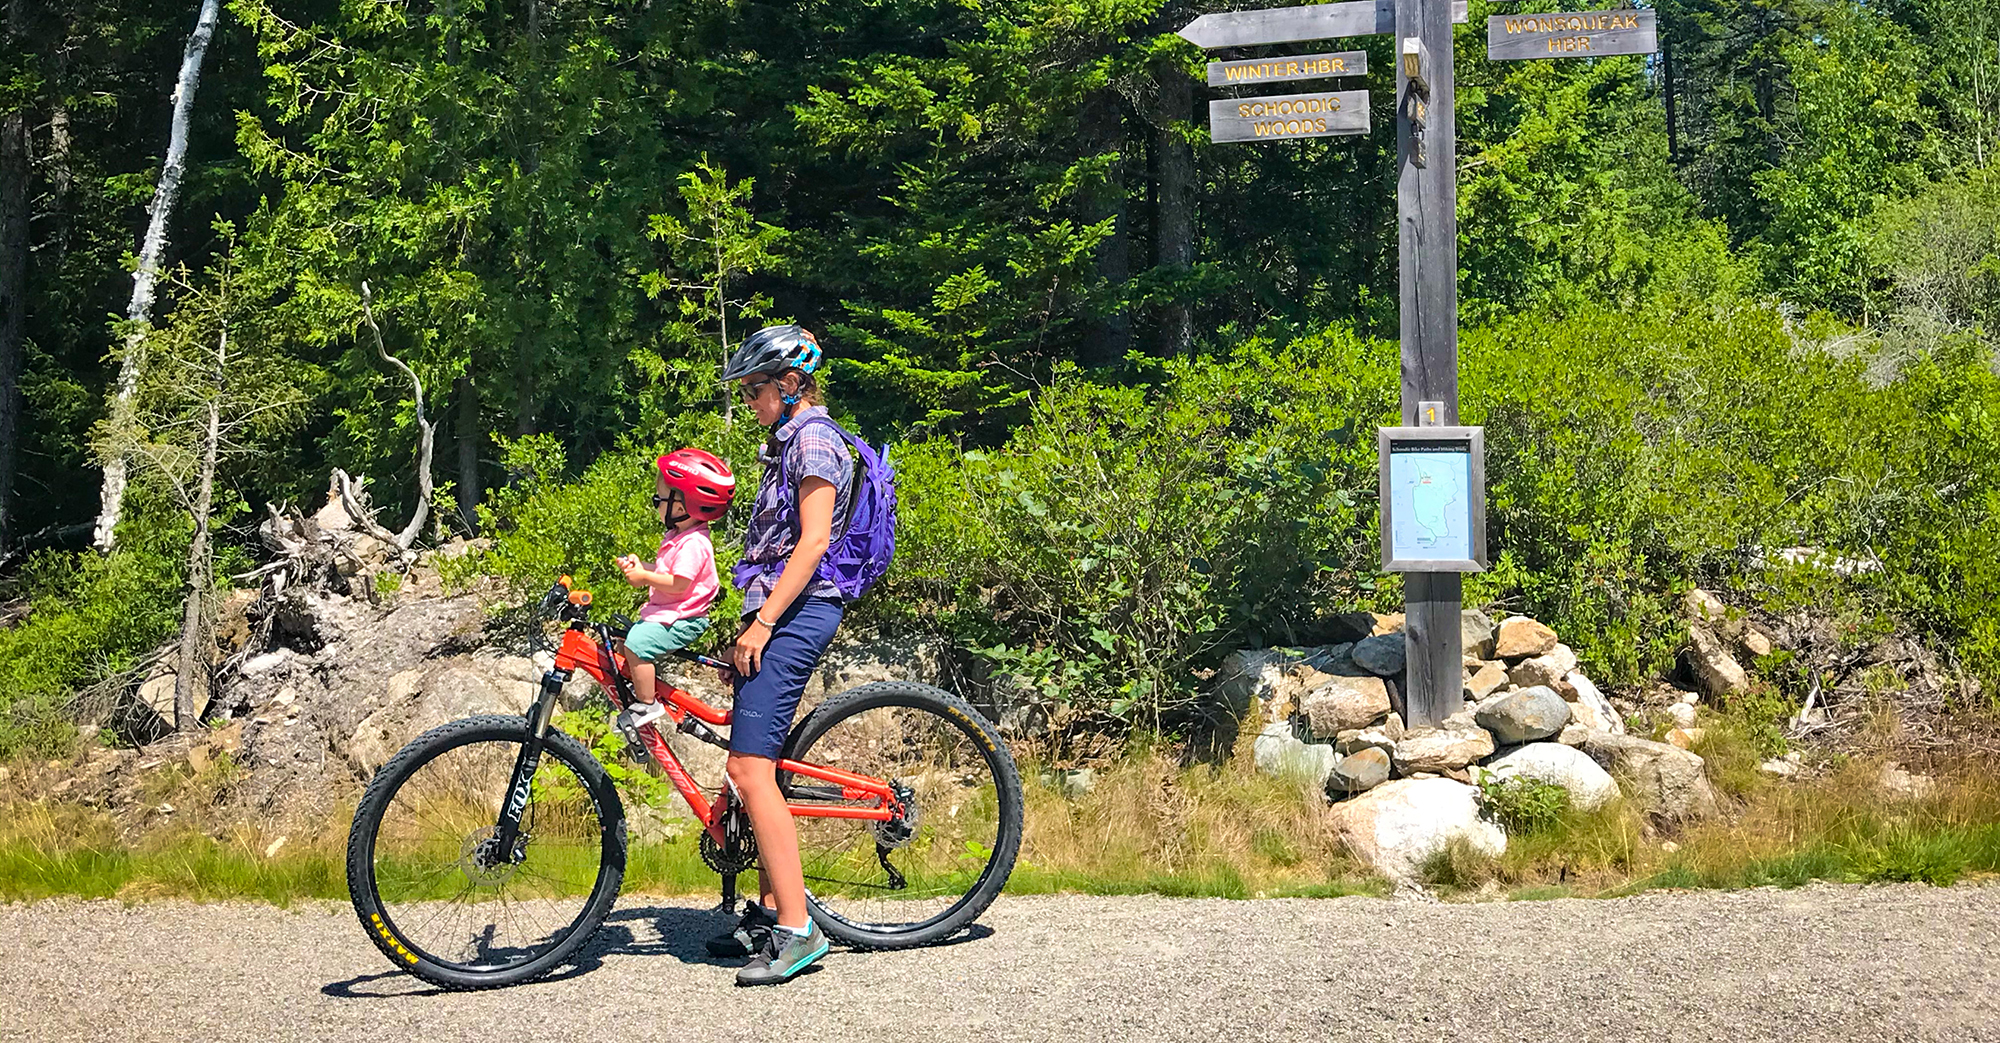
[[784, 955], [753, 929]]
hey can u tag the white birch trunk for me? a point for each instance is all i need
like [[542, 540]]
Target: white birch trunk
[[145, 282]]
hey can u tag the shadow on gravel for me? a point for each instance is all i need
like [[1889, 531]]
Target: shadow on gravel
[[675, 931]]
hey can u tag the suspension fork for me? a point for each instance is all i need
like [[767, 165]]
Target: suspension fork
[[508, 830]]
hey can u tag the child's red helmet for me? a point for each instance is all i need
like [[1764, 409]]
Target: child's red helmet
[[703, 479]]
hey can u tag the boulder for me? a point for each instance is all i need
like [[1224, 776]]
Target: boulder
[[1547, 669], [1396, 825], [1899, 785], [424, 697], [1520, 638], [1588, 784], [850, 663], [1589, 707], [1343, 703], [1359, 771], [1475, 633], [1280, 753], [1573, 734], [1524, 716], [1441, 749], [1272, 679], [1682, 714], [1684, 738], [157, 694], [1757, 643], [1718, 673], [1667, 780], [1380, 736], [1391, 623], [1381, 655], [1490, 678], [1699, 606]]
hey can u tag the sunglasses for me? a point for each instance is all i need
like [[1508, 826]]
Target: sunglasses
[[658, 499], [749, 390]]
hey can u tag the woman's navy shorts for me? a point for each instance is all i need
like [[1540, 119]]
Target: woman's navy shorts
[[767, 700]]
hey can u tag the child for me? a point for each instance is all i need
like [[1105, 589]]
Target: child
[[694, 488]]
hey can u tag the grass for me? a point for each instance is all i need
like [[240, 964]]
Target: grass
[[1151, 826]]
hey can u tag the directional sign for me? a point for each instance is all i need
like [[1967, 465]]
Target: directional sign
[[1579, 34], [1295, 67], [1282, 116], [1289, 24]]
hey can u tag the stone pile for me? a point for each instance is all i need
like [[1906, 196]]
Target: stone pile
[[1332, 716]]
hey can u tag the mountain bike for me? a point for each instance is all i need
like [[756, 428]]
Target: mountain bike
[[489, 850]]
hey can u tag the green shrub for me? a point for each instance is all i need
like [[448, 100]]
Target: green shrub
[[1523, 806]]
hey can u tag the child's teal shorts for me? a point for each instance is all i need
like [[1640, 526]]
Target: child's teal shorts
[[655, 641]]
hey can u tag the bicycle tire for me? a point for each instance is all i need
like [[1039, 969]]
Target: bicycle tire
[[959, 716], [376, 917]]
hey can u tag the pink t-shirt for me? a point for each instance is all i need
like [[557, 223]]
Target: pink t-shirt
[[687, 553]]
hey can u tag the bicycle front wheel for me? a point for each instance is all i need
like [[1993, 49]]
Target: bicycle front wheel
[[431, 887], [925, 878]]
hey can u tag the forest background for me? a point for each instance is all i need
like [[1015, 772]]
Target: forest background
[[1736, 297]]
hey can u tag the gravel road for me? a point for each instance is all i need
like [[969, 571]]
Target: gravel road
[[1818, 963]]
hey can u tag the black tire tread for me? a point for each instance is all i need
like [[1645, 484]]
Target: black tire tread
[[1007, 779], [381, 790]]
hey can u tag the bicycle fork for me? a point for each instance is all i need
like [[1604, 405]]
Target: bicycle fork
[[507, 832]]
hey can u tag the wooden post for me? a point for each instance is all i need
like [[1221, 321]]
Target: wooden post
[[1427, 225]]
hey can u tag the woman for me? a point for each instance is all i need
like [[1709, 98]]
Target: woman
[[790, 612]]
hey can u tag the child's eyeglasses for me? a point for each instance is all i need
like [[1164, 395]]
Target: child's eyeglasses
[[658, 499]]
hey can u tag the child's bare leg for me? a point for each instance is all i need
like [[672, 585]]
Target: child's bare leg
[[642, 680]]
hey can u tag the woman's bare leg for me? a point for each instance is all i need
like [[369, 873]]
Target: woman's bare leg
[[780, 876]]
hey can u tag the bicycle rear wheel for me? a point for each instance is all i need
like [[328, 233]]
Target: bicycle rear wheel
[[435, 894], [893, 886]]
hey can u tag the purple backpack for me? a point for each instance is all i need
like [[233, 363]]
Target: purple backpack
[[861, 554]]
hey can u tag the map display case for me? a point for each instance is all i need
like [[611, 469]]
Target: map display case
[[1433, 487]]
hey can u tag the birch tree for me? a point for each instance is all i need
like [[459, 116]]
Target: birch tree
[[145, 281]]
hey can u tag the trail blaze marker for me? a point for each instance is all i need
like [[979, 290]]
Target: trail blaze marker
[[1433, 478]]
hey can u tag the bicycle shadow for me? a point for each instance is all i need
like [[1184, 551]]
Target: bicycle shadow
[[676, 931]]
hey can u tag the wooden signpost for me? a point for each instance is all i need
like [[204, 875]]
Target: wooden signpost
[[1295, 67], [1289, 116], [1575, 34], [1427, 233]]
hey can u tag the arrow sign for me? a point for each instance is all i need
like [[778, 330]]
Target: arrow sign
[[1282, 116], [1575, 34], [1290, 24], [1293, 67]]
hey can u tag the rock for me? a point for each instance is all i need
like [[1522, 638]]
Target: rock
[[1699, 606], [424, 697], [1898, 784], [1385, 624], [1718, 673], [1682, 714], [1780, 767], [1441, 749], [1573, 734], [1589, 707], [1490, 678], [1685, 738], [1668, 780], [1520, 638], [1381, 655], [1274, 678], [1524, 716], [157, 694], [1025, 720], [1756, 642], [1360, 771], [1380, 737], [1280, 753], [264, 663], [849, 664], [333, 517], [1547, 669], [271, 850], [1344, 703], [1349, 627], [1396, 825], [1071, 783], [1475, 633], [1589, 785]]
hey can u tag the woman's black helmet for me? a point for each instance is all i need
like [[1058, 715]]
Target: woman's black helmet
[[774, 349]]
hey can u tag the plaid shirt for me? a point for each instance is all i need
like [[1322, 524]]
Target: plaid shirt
[[811, 451]]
